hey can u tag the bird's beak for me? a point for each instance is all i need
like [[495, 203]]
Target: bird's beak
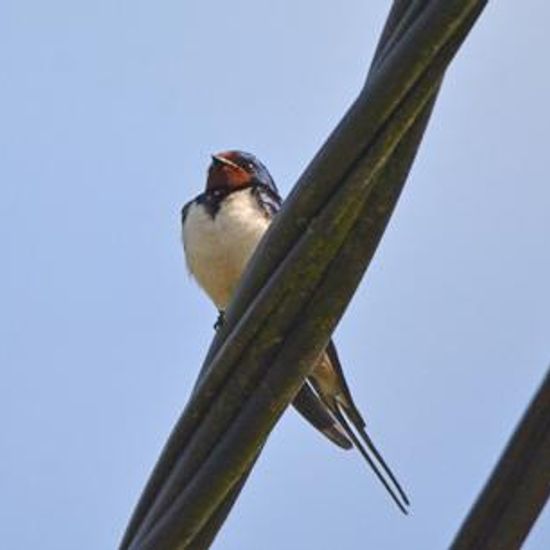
[[218, 159]]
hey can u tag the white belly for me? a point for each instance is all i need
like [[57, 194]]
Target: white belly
[[218, 249]]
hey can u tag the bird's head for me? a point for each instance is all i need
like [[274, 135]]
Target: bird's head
[[234, 170]]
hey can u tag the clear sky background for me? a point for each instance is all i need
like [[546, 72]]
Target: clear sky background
[[108, 114]]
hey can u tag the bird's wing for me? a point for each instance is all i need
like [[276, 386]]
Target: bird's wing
[[185, 210], [337, 397], [268, 198], [308, 404]]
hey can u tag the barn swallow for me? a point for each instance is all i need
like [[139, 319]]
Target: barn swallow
[[221, 227]]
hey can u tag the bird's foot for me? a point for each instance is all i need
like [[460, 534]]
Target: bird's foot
[[220, 320]]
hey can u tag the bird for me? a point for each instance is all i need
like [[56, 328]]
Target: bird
[[220, 229]]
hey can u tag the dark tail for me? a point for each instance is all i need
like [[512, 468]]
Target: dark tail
[[346, 410], [373, 457]]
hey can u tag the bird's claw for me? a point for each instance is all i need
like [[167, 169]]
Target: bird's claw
[[220, 320]]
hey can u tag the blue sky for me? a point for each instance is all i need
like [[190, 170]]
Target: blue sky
[[108, 112]]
